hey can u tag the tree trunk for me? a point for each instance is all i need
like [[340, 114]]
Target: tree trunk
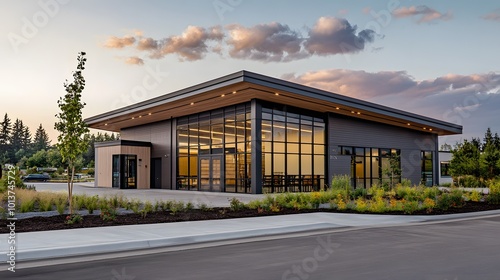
[[70, 187]]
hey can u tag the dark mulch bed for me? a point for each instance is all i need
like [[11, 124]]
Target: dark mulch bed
[[58, 222]]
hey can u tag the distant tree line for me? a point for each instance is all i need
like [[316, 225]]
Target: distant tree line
[[477, 158], [19, 147]]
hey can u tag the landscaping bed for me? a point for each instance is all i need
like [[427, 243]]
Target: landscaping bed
[[59, 222]]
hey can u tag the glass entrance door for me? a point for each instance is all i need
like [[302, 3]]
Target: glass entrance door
[[210, 170]]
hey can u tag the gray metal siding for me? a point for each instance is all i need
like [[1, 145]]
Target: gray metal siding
[[347, 131], [159, 134]]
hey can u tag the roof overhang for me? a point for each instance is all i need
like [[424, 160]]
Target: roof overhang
[[244, 86]]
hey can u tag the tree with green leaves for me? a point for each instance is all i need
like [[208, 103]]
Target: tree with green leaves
[[72, 129], [41, 141]]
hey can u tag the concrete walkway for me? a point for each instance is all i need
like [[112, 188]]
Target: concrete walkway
[[81, 242], [210, 198]]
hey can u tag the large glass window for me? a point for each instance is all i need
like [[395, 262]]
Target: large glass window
[[223, 132], [293, 150], [373, 165]]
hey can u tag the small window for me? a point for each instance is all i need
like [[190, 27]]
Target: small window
[[445, 169]]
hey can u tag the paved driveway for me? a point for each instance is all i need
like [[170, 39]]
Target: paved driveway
[[152, 195]]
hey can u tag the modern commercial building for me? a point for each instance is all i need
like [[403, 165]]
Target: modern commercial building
[[250, 133]]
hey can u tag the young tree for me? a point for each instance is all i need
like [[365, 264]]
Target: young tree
[[71, 127], [16, 140], [41, 141]]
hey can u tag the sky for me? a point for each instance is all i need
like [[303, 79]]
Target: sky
[[435, 58]]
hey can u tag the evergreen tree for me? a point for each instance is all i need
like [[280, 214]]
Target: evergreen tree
[[5, 136], [16, 140], [41, 141]]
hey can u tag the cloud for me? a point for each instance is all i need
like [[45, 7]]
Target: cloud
[[331, 36], [191, 45], [263, 42], [134, 60], [468, 100], [114, 42], [422, 12], [495, 15]]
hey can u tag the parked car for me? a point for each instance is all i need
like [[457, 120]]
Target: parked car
[[36, 177]]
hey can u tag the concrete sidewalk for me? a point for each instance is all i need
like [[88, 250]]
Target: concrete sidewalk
[[80, 242]]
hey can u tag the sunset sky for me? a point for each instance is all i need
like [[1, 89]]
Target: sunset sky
[[439, 59]]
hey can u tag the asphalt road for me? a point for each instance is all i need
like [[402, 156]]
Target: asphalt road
[[445, 251]]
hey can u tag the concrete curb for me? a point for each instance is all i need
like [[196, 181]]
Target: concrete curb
[[228, 229], [113, 247]]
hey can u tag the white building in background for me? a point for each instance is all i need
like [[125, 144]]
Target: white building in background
[[444, 167]]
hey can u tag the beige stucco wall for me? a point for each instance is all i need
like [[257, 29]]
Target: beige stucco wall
[[104, 158]]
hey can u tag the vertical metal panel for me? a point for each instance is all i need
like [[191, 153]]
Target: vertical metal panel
[[256, 145]]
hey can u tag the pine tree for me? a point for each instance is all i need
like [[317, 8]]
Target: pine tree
[[16, 140], [41, 141], [5, 136]]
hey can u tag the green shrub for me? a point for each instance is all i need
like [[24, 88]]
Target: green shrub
[[342, 183], [27, 206], [148, 208], [108, 214], [360, 192], [457, 198], [189, 206], [74, 219], [444, 202], [410, 206], [469, 181], [254, 204], [377, 205], [361, 205], [204, 207], [177, 206], [431, 192], [475, 196], [79, 201], [376, 191], [91, 203], [135, 206], [61, 205], [494, 192], [235, 204]]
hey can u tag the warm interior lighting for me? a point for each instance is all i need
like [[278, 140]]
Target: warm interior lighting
[[425, 128], [276, 94], [430, 129], [149, 114], [408, 123], [222, 95], [133, 118], [192, 103], [105, 124], [352, 112], [140, 116], [337, 108], [359, 113], [234, 92]]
